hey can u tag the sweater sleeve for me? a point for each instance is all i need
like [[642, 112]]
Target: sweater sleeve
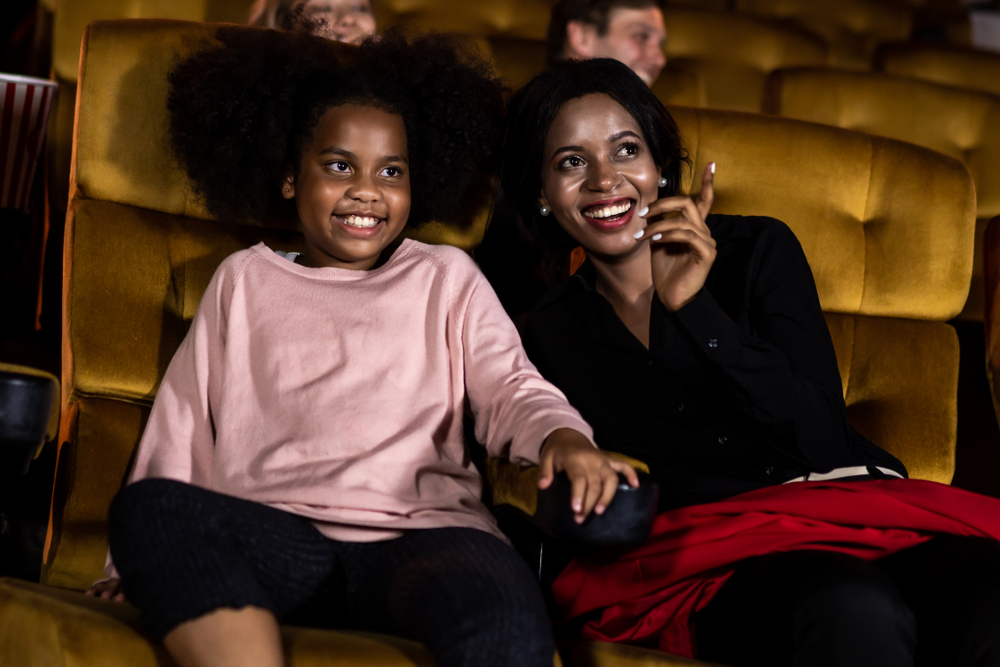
[[179, 437], [780, 370], [514, 407]]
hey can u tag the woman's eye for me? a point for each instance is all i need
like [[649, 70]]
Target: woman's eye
[[628, 149], [571, 162], [339, 167]]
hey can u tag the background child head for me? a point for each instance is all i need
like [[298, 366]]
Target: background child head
[[243, 113], [341, 20]]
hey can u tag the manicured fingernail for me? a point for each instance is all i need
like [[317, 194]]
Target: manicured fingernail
[[713, 167], [656, 237], [643, 211], [577, 505], [638, 234], [599, 509]]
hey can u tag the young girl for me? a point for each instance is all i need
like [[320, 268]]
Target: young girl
[[304, 459], [707, 331]]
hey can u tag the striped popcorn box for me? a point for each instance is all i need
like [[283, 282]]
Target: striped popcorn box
[[24, 110]]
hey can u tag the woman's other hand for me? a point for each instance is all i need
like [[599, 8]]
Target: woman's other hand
[[681, 246], [109, 589], [592, 475]]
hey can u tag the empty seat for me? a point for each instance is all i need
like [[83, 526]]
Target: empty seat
[[961, 123], [949, 64], [731, 55], [853, 28]]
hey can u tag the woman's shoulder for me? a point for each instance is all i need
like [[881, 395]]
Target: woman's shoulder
[[725, 227]]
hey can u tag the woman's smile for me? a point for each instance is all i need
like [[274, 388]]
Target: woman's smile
[[599, 172], [610, 214]]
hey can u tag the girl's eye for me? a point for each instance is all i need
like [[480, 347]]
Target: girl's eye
[[391, 172], [340, 167], [628, 150], [571, 162]]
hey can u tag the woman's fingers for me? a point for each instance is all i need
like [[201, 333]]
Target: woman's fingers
[[707, 195], [695, 210], [661, 207], [672, 232]]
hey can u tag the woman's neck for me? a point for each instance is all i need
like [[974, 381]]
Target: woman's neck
[[627, 284]]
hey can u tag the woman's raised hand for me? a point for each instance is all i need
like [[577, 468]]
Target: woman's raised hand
[[109, 589], [681, 246]]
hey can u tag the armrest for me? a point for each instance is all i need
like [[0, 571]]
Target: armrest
[[28, 412], [627, 520]]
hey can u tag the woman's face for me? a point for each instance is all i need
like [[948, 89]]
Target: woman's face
[[352, 190], [341, 20], [597, 172]]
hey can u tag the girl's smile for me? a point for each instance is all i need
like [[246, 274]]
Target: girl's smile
[[352, 189]]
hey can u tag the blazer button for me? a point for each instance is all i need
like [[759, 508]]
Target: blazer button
[[680, 408], [713, 342], [768, 470], [722, 439]]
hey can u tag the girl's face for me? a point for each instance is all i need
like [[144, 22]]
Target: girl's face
[[341, 20], [597, 172], [352, 191]]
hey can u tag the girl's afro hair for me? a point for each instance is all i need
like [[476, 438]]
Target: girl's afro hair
[[243, 111]]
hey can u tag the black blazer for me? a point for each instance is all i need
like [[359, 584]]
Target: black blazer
[[738, 390]]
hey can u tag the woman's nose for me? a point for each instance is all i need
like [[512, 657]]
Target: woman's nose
[[603, 176]]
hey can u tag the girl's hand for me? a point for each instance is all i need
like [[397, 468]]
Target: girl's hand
[[108, 590], [681, 246], [593, 476]]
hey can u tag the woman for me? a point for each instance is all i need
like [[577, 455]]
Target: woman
[[340, 20], [695, 342]]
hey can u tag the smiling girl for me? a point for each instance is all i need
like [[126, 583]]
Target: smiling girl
[[304, 459]]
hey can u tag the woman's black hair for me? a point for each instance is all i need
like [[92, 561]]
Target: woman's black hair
[[530, 114], [243, 111]]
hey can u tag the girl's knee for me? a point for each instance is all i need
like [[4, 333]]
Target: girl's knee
[[149, 502]]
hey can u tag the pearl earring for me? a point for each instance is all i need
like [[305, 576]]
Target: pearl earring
[[662, 182], [544, 210]]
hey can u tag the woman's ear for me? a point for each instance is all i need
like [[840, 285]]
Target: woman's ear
[[543, 203], [288, 186]]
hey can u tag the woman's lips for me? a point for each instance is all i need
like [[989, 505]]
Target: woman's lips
[[608, 215]]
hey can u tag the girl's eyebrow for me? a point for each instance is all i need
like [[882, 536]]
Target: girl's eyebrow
[[613, 139], [333, 150]]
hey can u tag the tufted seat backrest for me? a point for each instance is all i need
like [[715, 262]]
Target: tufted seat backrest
[[964, 124], [853, 28], [950, 64], [732, 54], [887, 228]]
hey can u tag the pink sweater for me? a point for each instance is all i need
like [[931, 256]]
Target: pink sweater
[[338, 395]]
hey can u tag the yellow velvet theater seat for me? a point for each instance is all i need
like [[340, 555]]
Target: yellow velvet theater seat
[[991, 323], [853, 28], [730, 55], [950, 64], [70, 21], [887, 227], [961, 123]]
